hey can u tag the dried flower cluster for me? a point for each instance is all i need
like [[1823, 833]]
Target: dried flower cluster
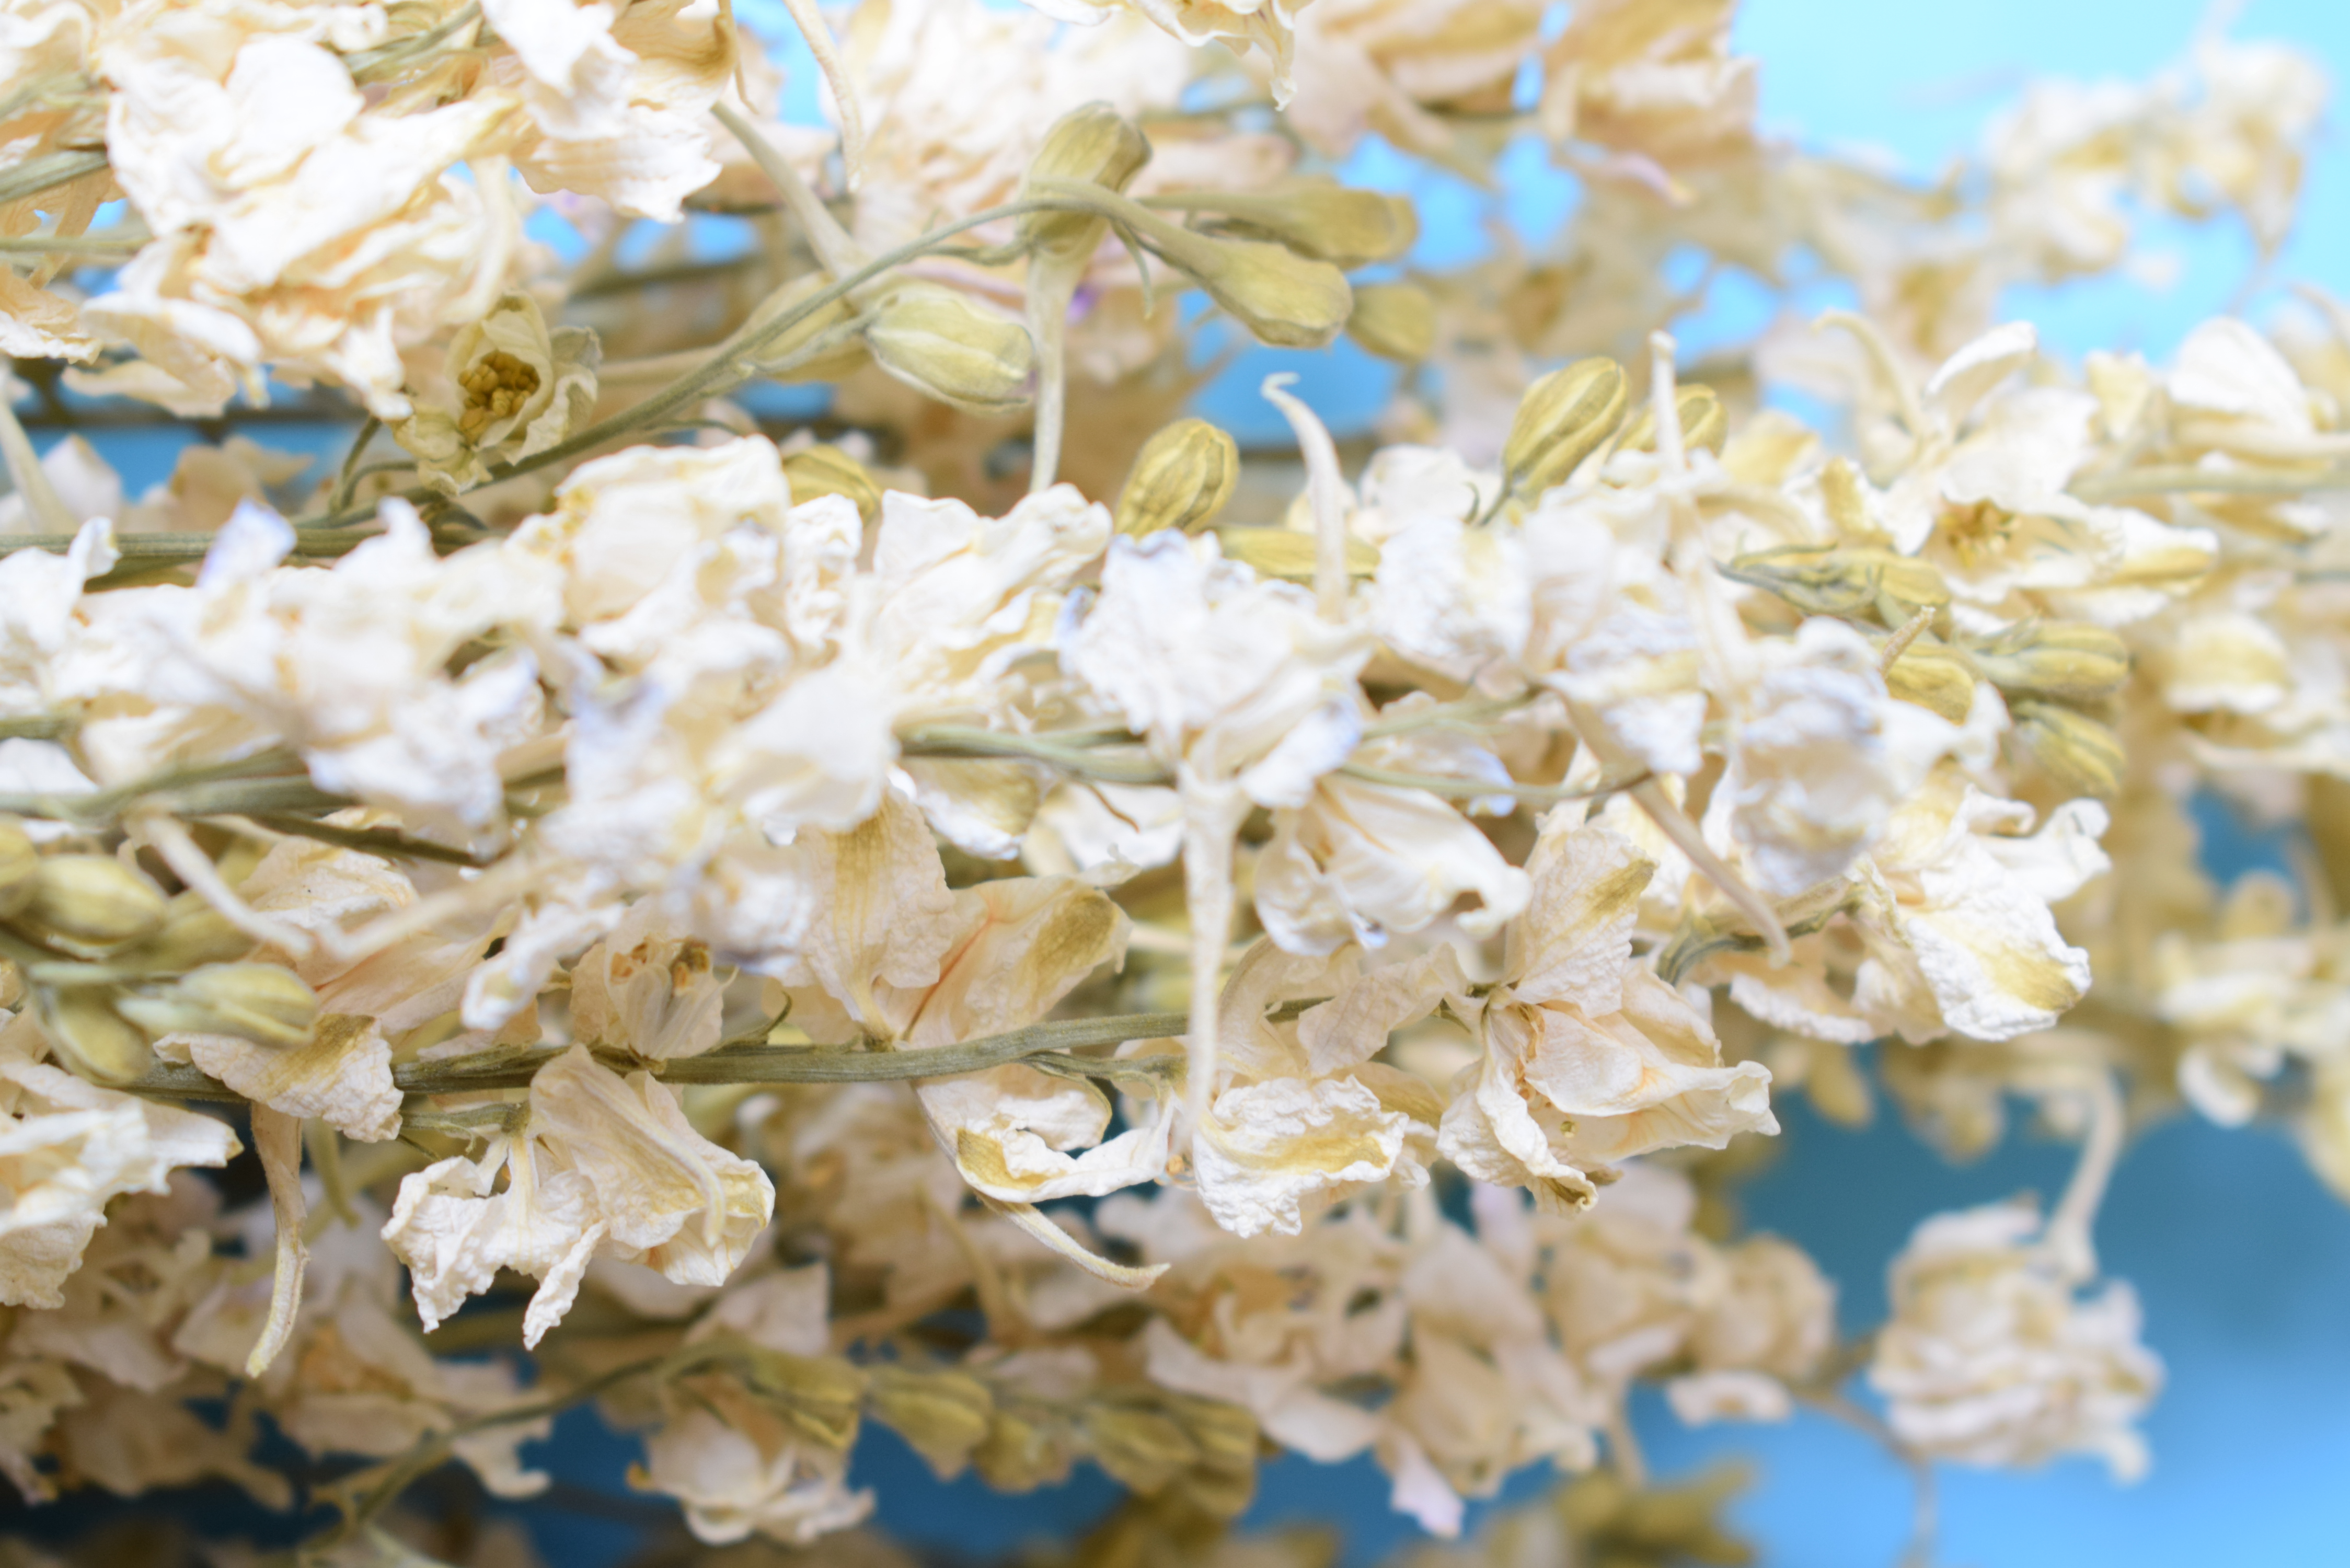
[[700, 890]]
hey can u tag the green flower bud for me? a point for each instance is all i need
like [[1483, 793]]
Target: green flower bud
[[943, 1415], [2076, 751], [263, 1002], [1181, 479], [1321, 219], [828, 471], [89, 905], [1394, 320], [946, 345], [1704, 423], [92, 1038], [1561, 419], [2059, 660], [1847, 580], [1935, 677], [819, 1396], [1138, 1446], [1093, 144], [780, 358]]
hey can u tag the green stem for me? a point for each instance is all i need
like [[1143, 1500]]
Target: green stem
[[958, 740], [47, 173], [350, 473]]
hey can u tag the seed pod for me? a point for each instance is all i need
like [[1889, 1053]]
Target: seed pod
[[944, 343], [1289, 554], [263, 1002], [943, 1415], [18, 861], [1704, 423], [1137, 1445], [2061, 660], [89, 905], [1394, 320], [1321, 219], [1561, 421], [1182, 479], [94, 1040], [1093, 143], [1936, 677], [828, 471], [2076, 751]]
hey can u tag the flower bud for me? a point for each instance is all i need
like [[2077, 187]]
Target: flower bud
[[779, 358], [944, 344], [193, 933], [828, 471], [89, 904], [2076, 751], [266, 1003], [1138, 1446], [1561, 421], [1321, 219], [2064, 661], [1936, 677], [94, 1040], [1283, 298], [818, 1396], [943, 1416], [1183, 478], [1394, 320], [1704, 423], [1226, 1434], [1845, 580], [1286, 554], [1020, 1454], [18, 861], [1097, 145]]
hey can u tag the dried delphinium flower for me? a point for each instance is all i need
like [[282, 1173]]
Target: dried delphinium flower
[[596, 832]]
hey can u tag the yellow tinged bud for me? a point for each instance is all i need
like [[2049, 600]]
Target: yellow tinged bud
[[1182, 479], [1283, 298], [2076, 751], [1704, 423], [1289, 554], [194, 933], [1218, 1493], [1095, 144], [819, 1396], [94, 1040], [828, 471], [1935, 677], [948, 345], [18, 861], [1845, 580], [1226, 1434], [2064, 661], [1140, 1447], [89, 904], [1020, 1454], [1561, 419], [263, 1002], [943, 1415], [1321, 219], [831, 365], [1394, 320]]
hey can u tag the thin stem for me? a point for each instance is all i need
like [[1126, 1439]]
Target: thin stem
[[69, 246], [831, 243], [47, 173], [958, 740], [348, 475], [1477, 789], [2067, 1236]]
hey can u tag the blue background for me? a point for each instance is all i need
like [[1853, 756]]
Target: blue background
[[2242, 1259]]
